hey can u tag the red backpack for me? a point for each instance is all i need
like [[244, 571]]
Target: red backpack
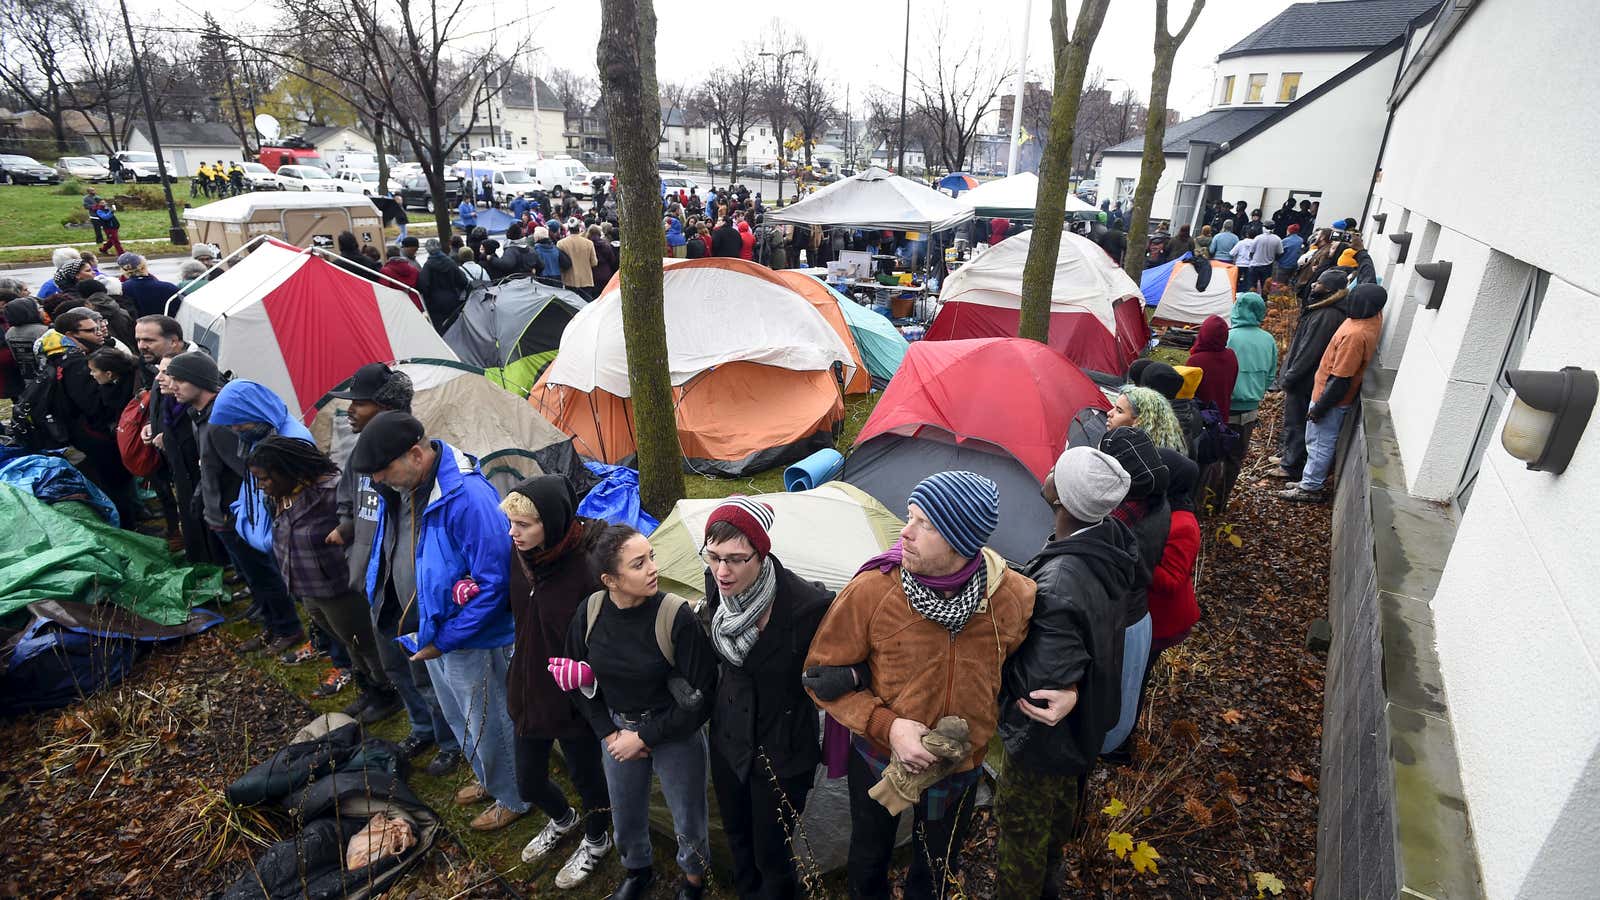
[[140, 458]]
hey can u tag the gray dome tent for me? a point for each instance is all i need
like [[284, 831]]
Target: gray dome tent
[[512, 329]]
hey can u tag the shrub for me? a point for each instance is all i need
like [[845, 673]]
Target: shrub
[[72, 187], [79, 216]]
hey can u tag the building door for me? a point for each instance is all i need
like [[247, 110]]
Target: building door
[[1500, 389]]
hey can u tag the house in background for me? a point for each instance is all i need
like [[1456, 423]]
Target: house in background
[[333, 141], [188, 144], [524, 114], [1298, 112]]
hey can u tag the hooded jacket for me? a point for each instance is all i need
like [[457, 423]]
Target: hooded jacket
[[549, 256], [1255, 350], [245, 403], [544, 597], [674, 232], [1212, 356], [443, 287], [25, 325], [1318, 321], [1338, 377], [461, 533], [747, 240], [1075, 638], [997, 230], [1173, 608]]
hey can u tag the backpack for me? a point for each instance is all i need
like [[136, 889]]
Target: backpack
[[683, 693], [1218, 440], [139, 457], [36, 420]]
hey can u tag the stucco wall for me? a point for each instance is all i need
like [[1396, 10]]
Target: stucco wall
[[1314, 69], [1114, 167]]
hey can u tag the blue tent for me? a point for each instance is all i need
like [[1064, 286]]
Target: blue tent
[[882, 345], [1153, 283], [491, 220]]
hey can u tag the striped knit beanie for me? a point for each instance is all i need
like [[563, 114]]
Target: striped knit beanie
[[963, 506], [751, 517]]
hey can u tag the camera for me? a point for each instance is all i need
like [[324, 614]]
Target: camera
[[1344, 236]]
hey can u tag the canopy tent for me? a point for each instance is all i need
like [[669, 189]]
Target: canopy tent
[[513, 329], [1001, 407], [1172, 288], [299, 324], [1015, 198], [1096, 319], [491, 220], [876, 199], [511, 441], [826, 303], [823, 534], [750, 359]]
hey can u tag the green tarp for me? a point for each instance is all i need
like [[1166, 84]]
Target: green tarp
[[66, 552]]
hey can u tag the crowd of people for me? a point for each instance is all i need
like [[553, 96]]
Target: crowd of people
[[219, 179]]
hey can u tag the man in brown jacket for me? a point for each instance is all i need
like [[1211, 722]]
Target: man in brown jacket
[[923, 631], [580, 277]]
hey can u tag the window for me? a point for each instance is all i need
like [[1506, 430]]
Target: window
[[1227, 91], [1534, 285], [763, 132], [1255, 88], [1288, 87]]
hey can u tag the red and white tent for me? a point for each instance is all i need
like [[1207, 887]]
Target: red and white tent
[[299, 324]]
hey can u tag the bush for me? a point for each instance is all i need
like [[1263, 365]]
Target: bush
[[79, 216], [72, 187]]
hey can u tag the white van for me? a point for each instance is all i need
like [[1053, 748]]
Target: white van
[[566, 174], [508, 181]]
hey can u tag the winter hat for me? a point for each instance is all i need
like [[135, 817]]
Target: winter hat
[[130, 261], [197, 369], [556, 501], [206, 251], [63, 255], [1139, 457], [1090, 483], [1182, 478], [751, 517], [1163, 379], [1293, 229], [431, 245], [541, 233], [1347, 258], [410, 241], [963, 506]]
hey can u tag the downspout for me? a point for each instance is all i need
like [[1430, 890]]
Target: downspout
[[1388, 122]]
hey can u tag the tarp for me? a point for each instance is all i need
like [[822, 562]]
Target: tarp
[[823, 534], [53, 479], [66, 552], [1096, 316], [1015, 197], [300, 325], [876, 199], [616, 498], [1177, 299], [513, 329], [490, 220]]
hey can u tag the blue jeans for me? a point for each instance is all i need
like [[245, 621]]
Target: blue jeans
[[471, 687], [1322, 442], [681, 764], [1135, 653], [411, 681], [260, 572]]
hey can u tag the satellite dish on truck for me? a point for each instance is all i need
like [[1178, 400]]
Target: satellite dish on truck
[[268, 126]]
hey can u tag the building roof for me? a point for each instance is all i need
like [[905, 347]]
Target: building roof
[[1334, 25], [518, 93], [192, 134], [315, 136], [1215, 127]]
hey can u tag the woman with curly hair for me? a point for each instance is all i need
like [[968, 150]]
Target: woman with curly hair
[[1145, 409]]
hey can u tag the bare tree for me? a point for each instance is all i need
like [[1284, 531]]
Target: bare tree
[[1070, 49], [674, 99], [1155, 133], [576, 91], [955, 91], [727, 103], [883, 118], [814, 103], [32, 64], [104, 88], [627, 63]]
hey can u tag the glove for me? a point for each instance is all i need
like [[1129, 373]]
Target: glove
[[830, 682], [570, 674], [464, 590], [685, 694]]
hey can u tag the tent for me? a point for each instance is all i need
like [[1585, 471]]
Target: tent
[[823, 534], [510, 440], [876, 199], [512, 329], [491, 220], [300, 217], [750, 359], [826, 303], [1171, 289], [882, 345], [1001, 407], [1096, 318], [299, 324], [1014, 198]]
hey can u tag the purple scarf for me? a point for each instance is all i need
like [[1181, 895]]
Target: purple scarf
[[888, 560]]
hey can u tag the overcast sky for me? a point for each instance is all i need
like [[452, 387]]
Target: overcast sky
[[864, 49]]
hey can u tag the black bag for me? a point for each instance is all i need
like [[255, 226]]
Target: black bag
[[1218, 440], [36, 419]]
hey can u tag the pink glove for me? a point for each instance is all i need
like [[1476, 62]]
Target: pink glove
[[464, 590], [570, 674]]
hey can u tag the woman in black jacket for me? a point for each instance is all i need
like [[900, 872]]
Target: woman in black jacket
[[764, 730]]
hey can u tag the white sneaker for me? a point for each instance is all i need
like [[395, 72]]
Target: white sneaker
[[551, 835], [582, 862]]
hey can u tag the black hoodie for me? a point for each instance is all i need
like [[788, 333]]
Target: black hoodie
[[1075, 637]]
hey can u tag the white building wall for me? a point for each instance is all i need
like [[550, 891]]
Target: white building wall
[[1517, 611], [1118, 166], [1314, 69]]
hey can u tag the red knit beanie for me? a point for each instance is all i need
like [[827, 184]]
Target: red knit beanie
[[752, 518]]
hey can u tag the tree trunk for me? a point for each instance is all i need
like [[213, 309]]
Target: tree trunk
[[1155, 134], [1071, 49], [626, 57]]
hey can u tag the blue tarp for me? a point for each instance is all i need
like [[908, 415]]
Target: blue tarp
[[616, 498], [53, 479], [491, 220], [1153, 283]]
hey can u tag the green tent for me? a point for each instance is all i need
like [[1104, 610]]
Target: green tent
[[882, 345], [67, 552], [512, 329]]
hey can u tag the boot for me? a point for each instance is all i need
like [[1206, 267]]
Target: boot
[[383, 702], [363, 699]]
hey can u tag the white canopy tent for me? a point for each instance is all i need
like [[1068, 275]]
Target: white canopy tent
[[876, 199], [1013, 197]]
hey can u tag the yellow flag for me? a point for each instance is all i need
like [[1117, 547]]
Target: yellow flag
[[1024, 135]]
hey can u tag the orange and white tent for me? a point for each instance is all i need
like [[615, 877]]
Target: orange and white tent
[[300, 324], [751, 363], [827, 304]]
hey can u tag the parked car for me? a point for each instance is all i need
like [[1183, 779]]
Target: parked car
[[674, 183], [507, 181], [260, 178], [561, 174], [754, 171], [140, 165], [306, 178], [26, 170], [82, 168], [351, 181], [415, 193], [667, 164]]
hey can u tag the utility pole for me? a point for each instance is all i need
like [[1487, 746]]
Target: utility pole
[[176, 234], [1022, 91], [233, 96], [488, 90], [905, 74], [849, 148]]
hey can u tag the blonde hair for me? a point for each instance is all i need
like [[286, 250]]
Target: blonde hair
[[519, 505], [1154, 416]]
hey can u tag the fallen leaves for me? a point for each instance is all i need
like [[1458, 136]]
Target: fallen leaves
[[1144, 857], [1120, 843], [1115, 808], [1266, 883], [1232, 717]]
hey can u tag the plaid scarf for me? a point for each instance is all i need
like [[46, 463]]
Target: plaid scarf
[[733, 626], [952, 612]]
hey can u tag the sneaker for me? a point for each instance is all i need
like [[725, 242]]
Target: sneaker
[[494, 818], [1275, 460], [300, 654], [1297, 494], [582, 862], [472, 793], [552, 834], [413, 746], [444, 763], [333, 681]]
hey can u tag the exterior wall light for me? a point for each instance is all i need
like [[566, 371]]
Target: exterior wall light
[[1439, 274], [1402, 238], [1381, 219], [1548, 416]]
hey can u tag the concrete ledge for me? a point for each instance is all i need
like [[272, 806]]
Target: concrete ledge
[[1392, 821]]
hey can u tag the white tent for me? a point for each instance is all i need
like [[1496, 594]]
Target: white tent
[[1014, 197], [1182, 301], [299, 324], [876, 199]]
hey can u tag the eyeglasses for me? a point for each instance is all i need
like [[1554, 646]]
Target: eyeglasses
[[713, 560]]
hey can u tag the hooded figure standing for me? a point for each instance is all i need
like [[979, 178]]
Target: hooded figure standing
[[1256, 353]]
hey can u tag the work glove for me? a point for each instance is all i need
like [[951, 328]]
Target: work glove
[[831, 682], [570, 674], [464, 590]]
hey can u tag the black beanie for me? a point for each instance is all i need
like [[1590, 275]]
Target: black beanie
[[1163, 379], [197, 369]]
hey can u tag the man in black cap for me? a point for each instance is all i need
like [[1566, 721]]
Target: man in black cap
[[376, 388], [408, 246]]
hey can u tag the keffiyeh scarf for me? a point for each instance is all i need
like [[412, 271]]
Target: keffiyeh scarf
[[951, 612], [733, 626]]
